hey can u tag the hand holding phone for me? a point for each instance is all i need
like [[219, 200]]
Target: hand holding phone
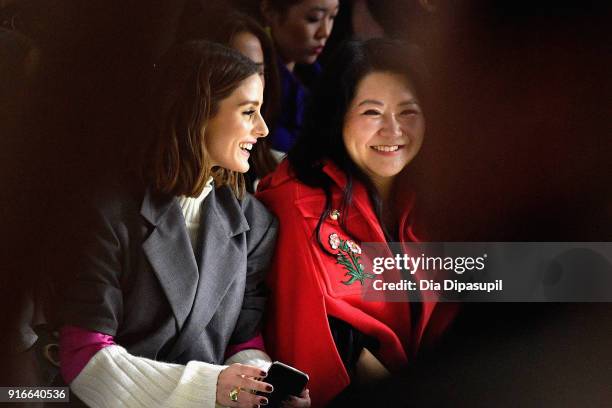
[[286, 381]]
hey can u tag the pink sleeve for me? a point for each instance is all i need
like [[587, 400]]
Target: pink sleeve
[[77, 347], [255, 343]]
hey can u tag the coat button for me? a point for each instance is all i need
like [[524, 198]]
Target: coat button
[[334, 215]]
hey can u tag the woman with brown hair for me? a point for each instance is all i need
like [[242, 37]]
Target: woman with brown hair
[[152, 310], [236, 30]]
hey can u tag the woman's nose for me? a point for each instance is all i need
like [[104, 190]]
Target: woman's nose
[[261, 129], [324, 30], [391, 126]]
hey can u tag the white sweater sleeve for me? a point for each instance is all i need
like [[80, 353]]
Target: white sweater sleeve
[[114, 378]]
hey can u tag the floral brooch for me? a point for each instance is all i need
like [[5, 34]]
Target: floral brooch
[[348, 256]]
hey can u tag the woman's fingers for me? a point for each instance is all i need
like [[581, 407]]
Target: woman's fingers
[[247, 378], [249, 371], [241, 397], [235, 384], [252, 384]]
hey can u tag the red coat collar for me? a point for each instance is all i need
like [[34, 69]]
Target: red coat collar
[[284, 173], [333, 171], [361, 200]]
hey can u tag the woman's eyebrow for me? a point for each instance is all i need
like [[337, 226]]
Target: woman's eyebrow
[[323, 9], [256, 103], [371, 101], [409, 102]]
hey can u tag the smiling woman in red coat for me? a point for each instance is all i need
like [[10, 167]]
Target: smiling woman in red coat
[[335, 191]]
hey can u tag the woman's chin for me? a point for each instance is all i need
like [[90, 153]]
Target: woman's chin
[[386, 172], [242, 169], [309, 59]]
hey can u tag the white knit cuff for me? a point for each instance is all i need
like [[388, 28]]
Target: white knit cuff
[[113, 378], [254, 357]]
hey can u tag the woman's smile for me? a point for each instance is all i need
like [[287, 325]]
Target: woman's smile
[[387, 150]]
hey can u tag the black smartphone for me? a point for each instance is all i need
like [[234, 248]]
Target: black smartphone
[[286, 381]]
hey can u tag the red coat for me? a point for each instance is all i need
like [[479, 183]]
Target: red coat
[[306, 285]]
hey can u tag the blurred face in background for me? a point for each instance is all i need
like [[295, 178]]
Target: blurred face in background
[[249, 45], [364, 24], [301, 31], [383, 126]]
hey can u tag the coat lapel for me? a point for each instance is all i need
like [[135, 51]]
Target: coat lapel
[[363, 226], [220, 260], [170, 254]]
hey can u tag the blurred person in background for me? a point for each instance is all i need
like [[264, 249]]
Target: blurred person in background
[[19, 76], [399, 19], [299, 30]]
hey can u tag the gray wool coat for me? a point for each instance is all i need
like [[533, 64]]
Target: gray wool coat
[[137, 277]]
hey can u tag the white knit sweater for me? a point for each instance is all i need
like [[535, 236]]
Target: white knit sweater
[[190, 206], [115, 378]]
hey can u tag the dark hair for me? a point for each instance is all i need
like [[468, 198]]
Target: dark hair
[[194, 77], [321, 135], [221, 24], [281, 6]]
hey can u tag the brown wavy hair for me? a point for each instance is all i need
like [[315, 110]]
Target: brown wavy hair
[[193, 78], [221, 24]]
